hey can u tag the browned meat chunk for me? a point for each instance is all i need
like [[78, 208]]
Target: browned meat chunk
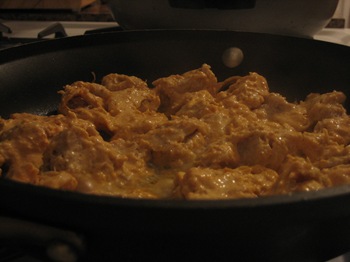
[[188, 136]]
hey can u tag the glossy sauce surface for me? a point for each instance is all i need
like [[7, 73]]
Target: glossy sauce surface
[[189, 136]]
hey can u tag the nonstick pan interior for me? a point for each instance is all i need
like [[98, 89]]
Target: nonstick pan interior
[[31, 75]]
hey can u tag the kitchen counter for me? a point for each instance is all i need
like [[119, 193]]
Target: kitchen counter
[[97, 12]]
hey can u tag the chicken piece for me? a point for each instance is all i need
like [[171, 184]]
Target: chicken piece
[[201, 105], [176, 143], [307, 145], [333, 155], [120, 111], [241, 182], [251, 90], [219, 154], [23, 139], [128, 124], [132, 99], [338, 175], [240, 116], [299, 174], [262, 146], [133, 111], [82, 96], [117, 82], [87, 101], [195, 104], [277, 109], [96, 166], [171, 88], [337, 128], [322, 106]]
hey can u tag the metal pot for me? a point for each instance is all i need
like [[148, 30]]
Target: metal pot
[[285, 17]]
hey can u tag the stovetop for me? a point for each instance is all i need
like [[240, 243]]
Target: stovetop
[[14, 33]]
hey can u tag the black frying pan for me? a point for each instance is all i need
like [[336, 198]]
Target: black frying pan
[[312, 226]]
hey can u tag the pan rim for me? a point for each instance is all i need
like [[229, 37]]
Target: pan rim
[[273, 200], [43, 47]]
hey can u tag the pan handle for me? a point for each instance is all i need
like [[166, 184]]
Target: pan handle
[[60, 245], [222, 4]]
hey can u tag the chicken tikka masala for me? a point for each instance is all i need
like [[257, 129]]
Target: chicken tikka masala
[[189, 136]]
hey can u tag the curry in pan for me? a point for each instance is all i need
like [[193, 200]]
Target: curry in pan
[[187, 136]]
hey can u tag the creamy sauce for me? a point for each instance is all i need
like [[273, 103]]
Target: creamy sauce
[[188, 137]]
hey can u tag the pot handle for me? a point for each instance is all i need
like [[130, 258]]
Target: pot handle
[[60, 245], [222, 4]]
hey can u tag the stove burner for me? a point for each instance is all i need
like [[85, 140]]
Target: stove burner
[[18, 35], [4, 29], [57, 29]]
